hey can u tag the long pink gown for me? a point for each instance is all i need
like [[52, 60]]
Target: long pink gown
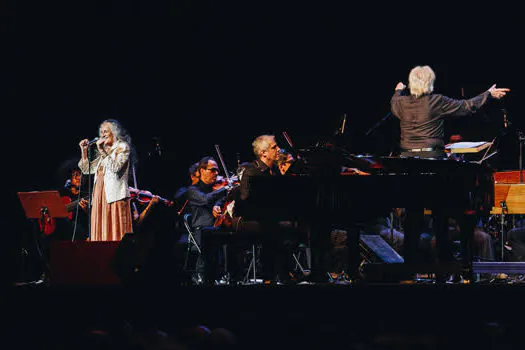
[[109, 222]]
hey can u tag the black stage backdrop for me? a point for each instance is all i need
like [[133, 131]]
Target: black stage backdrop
[[185, 76]]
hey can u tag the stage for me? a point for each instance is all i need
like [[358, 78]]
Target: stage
[[260, 316]]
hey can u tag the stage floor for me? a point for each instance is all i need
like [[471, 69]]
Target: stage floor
[[306, 316]]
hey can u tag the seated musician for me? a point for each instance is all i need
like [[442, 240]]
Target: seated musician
[[205, 204], [75, 226], [515, 241], [277, 250], [180, 195], [484, 245], [132, 259], [391, 229]]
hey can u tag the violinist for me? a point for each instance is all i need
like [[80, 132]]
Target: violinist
[[142, 253], [285, 160], [72, 227], [180, 195], [142, 204], [205, 204]]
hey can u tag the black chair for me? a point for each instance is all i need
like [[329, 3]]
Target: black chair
[[192, 248], [236, 246]]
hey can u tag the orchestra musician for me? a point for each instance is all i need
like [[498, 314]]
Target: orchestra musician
[[74, 227], [180, 195], [110, 211], [147, 253], [205, 203], [75, 199]]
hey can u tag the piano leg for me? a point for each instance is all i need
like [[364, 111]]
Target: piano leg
[[413, 228], [467, 224], [444, 246], [413, 225], [354, 253], [320, 246]]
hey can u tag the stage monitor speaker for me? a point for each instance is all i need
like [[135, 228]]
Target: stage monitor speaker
[[379, 261], [374, 249], [82, 263]]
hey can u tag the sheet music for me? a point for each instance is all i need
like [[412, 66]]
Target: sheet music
[[465, 145]]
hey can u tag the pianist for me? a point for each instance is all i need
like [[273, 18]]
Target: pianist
[[277, 252], [422, 113]]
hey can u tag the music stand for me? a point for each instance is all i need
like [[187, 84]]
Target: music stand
[[38, 204]]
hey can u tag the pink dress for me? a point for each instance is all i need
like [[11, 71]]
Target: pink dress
[[109, 222]]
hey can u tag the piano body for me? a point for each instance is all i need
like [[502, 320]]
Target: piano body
[[324, 199]]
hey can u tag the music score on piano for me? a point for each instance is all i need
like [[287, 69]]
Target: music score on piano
[[467, 147]]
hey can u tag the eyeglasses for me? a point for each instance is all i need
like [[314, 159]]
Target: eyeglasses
[[214, 170]]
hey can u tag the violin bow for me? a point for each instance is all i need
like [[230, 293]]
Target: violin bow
[[223, 164], [289, 141], [287, 138], [182, 209]]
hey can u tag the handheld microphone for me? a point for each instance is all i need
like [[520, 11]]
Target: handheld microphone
[[93, 141]]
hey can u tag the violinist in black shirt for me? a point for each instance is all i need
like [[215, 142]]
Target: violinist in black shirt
[[205, 204], [180, 195]]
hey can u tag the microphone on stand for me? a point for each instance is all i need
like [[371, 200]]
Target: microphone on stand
[[376, 125]]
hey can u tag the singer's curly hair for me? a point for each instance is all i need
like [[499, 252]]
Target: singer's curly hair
[[120, 134]]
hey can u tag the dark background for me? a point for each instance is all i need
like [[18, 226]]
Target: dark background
[[197, 74]]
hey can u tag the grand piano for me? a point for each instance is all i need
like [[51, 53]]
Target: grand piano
[[323, 198]]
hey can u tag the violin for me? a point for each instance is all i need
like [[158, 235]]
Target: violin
[[223, 182], [144, 196], [225, 219]]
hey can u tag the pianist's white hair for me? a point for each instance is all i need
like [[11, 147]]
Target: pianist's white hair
[[421, 80], [262, 143]]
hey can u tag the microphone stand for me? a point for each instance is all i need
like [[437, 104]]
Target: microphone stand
[[79, 196], [521, 138], [376, 125], [89, 192], [392, 228]]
